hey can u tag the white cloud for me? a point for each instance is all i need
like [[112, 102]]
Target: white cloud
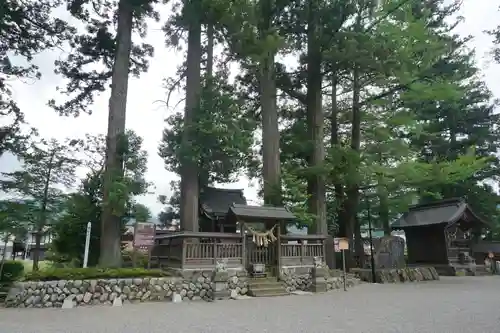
[[146, 117]]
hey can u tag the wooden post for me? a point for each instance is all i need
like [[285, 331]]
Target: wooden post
[[215, 251], [278, 251], [243, 245], [323, 241], [302, 251], [183, 259], [343, 267]]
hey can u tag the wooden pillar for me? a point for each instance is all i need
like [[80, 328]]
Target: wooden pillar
[[183, 259], [278, 250], [243, 245]]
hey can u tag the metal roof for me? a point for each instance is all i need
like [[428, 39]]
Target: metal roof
[[446, 211]]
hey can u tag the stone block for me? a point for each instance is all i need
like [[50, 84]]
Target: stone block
[[176, 298], [68, 303], [117, 302], [318, 287]]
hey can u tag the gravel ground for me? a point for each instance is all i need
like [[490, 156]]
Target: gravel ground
[[454, 305]]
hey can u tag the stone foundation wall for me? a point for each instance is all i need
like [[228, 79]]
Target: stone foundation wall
[[413, 274], [192, 286], [301, 278]]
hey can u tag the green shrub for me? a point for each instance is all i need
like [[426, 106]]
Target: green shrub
[[141, 258], [12, 270], [92, 273]]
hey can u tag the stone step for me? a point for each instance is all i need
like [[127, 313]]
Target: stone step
[[267, 292], [263, 280], [264, 285]]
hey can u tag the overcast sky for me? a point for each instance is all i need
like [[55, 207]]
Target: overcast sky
[[146, 117]]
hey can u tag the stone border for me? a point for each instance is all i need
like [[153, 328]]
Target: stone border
[[195, 285], [408, 274]]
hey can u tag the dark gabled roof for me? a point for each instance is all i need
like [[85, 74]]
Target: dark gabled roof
[[215, 202], [259, 213], [446, 211]]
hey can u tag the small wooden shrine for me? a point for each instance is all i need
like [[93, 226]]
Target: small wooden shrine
[[441, 234], [214, 205], [255, 241]]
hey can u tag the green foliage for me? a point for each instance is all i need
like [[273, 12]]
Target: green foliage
[[222, 136], [140, 257], [12, 270], [141, 213], [28, 28], [92, 273], [86, 205], [98, 45], [48, 166]]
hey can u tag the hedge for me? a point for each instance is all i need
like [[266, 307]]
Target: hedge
[[92, 273], [12, 270]]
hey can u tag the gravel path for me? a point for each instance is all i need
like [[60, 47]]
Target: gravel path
[[454, 305]]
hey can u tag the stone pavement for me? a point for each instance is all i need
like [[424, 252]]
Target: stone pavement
[[454, 305]]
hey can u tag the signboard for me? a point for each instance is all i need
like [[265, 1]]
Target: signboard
[[336, 244], [144, 235], [343, 244]]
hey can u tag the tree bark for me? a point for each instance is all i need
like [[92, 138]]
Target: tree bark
[[43, 215], [4, 250], [189, 167], [110, 255], [210, 50], [315, 124], [353, 188], [270, 131], [335, 142]]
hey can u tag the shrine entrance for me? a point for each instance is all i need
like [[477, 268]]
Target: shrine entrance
[[261, 230]]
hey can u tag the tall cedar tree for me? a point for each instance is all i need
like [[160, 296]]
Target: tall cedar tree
[[100, 44]]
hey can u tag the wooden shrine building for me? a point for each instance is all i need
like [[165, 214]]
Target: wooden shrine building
[[441, 234], [214, 205], [252, 237]]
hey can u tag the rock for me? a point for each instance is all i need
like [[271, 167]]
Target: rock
[[29, 300], [183, 292], [146, 296], [87, 297], [74, 291], [126, 290], [53, 297], [77, 283], [79, 297], [176, 298], [68, 304], [61, 284], [233, 294], [190, 294], [112, 296], [137, 282], [117, 302]]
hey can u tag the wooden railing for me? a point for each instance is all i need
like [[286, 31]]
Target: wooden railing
[[190, 250], [302, 254], [197, 249]]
